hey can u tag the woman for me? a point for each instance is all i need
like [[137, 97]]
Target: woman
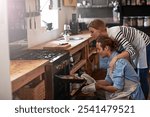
[[122, 82], [136, 45]]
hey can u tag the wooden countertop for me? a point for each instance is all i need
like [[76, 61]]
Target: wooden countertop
[[24, 71], [75, 43], [55, 44]]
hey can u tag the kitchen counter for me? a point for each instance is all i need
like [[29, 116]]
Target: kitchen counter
[[81, 43], [58, 43], [24, 71]]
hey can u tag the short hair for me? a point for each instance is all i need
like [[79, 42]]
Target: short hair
[[97, 24], [107, 41]]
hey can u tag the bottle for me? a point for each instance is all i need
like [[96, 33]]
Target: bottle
[[66, 32], [116, 14], [71, 61], [146, 21], [126, 21], [143, 2], [84, 2], [123, 2], [133, 21], [140, 21], [148, 2], [128, 2], [138, 2], [133, 2]]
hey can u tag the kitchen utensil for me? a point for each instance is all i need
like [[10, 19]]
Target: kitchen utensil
[[30, 19], [36, 6], [49, 26], [34, 23]]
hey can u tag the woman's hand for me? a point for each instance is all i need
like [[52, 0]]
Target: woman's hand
[[112, 63], [123, 54]]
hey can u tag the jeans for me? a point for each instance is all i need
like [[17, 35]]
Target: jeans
[[148, 55], [143, 74]]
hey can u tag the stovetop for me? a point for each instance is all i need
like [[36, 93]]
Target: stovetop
[[41, 54]]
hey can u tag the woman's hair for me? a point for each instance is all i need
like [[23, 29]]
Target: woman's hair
[[107, 41], [97, 24]]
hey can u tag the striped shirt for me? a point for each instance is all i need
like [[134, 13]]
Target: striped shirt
[[131, 39]]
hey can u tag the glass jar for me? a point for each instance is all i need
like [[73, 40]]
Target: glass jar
[[133, 21], [143, 2], [146, 21], [124, 2], [140, 21], [128, 2], [148, 2], [115, 15], [133, 2], [126, 21], [138, 2]]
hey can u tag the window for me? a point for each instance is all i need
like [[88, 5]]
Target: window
[[49, 14]]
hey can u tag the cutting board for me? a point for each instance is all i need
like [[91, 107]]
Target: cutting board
[[56, 45]]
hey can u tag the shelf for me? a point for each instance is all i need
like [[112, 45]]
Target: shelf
[[76, 91], [92, 52], [135, 11], [70, 3], [91, 39], [78, 66], [32, 14], [130, 10], [142, 27], [95, 6]]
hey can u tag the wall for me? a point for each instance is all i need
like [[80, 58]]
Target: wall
[[34, 37], [99, 9], [5, 84], [39, 36], [95, 12]]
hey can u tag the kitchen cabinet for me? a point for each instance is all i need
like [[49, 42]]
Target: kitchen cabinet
[[82, 50], [84, 54], [23, 72], [70, 2], [135, 15], [94, 3], [17, 20], [100, 2], [92, 56], [78, 51]]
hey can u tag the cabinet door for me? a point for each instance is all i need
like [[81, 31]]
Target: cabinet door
[[16, 20], [99, 2], [70, 2]]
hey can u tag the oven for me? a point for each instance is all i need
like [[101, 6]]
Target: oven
[[58, 65]]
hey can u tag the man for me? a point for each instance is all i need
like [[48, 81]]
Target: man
[[122, 82], [136, 45]]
